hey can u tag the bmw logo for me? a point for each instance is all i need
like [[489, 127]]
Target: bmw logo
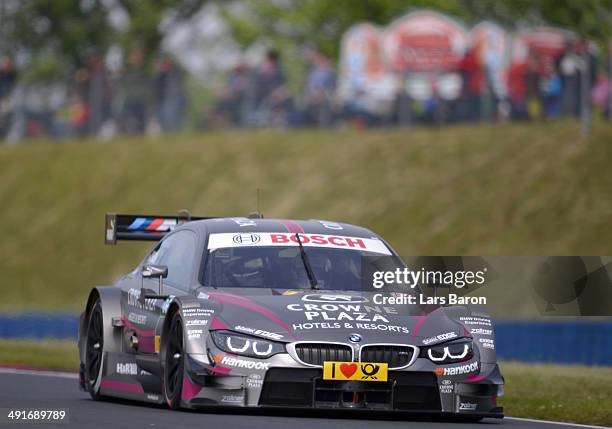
[[355, 338]]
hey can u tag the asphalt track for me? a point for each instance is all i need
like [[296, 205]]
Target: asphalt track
[[24, 389]]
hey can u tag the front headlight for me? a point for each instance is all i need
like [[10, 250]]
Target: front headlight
[[245, 345], [451, 352]]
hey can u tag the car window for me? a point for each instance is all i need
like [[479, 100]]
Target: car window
[[283, 267], [177, 252]]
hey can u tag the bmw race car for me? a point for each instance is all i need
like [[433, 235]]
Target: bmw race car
[[253, 312]]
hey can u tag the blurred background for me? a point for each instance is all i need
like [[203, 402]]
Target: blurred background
[[450, 127], [102, 68]]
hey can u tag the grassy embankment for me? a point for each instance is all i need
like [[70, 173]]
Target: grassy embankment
[[515, 189]]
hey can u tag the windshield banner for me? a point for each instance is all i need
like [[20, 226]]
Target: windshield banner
[[251, 239]]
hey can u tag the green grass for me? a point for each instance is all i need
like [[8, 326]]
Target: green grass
[[51, 354], [576, 394], [478, 189]]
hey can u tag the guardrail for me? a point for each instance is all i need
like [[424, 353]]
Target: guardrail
[[563, 342]]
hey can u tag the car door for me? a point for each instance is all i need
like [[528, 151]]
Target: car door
[[142, 314]]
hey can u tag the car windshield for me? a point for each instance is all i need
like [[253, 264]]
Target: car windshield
[[282, 267]]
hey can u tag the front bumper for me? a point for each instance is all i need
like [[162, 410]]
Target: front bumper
[[412, 391]]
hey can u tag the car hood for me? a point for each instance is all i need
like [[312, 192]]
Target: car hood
[[328, 316]]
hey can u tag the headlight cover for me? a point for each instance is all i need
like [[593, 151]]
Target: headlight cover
[[450, 352], [244, 345]]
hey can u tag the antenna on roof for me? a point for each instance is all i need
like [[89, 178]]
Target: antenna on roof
[[256, 214]]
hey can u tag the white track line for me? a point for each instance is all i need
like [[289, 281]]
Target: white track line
[[576, 425], [58, 374]]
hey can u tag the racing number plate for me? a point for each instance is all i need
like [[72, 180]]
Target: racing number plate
[[358, 371]]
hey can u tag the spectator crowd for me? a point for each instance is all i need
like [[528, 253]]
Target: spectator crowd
[[140, 98]]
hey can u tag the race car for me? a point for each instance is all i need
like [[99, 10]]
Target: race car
[[254, 312]]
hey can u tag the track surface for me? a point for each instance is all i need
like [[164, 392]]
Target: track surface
[[60, 391]]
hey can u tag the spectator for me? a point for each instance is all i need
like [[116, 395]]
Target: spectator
[[600, 94], [552, 91], [320, 83], [136, 91], [170, 96], [517, 90], [474, 83], [98, 93], [230, 103], [570, 64], [8, 81], [272, 98], [532, 84]]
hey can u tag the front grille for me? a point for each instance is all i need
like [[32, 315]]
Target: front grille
[[304, 387], [317, 353], [394, 356]]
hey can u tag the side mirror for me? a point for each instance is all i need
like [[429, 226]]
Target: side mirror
[[156, 271]]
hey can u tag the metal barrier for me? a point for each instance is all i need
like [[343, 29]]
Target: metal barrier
[[562, 342], [39, 326]]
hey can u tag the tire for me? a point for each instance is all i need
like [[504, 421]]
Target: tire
[[94, 351], [174, 362]]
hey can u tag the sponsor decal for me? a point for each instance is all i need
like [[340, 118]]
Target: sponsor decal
[[362, 371], [343, 299], [254, 381], [481, 331], [259, 332], [223, 240], [133, 300], [346, 325], [441, 337], [194, 333], [467, 406], [152, 397], [244, 221], [458, 370], [469, 320], [191, 305], [246, 239], [202, 295], [196, 322], [127, 368], [340, 312], [330, 225], [241, 363], [233, 399], [166, 305], [446, 386], [328, 311], [487, 343], [198, 312], [138, 319]]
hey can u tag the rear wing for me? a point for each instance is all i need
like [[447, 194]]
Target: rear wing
[[142, 227]]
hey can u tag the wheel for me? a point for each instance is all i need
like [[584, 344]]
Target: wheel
[[174, 360], [94, 351]]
